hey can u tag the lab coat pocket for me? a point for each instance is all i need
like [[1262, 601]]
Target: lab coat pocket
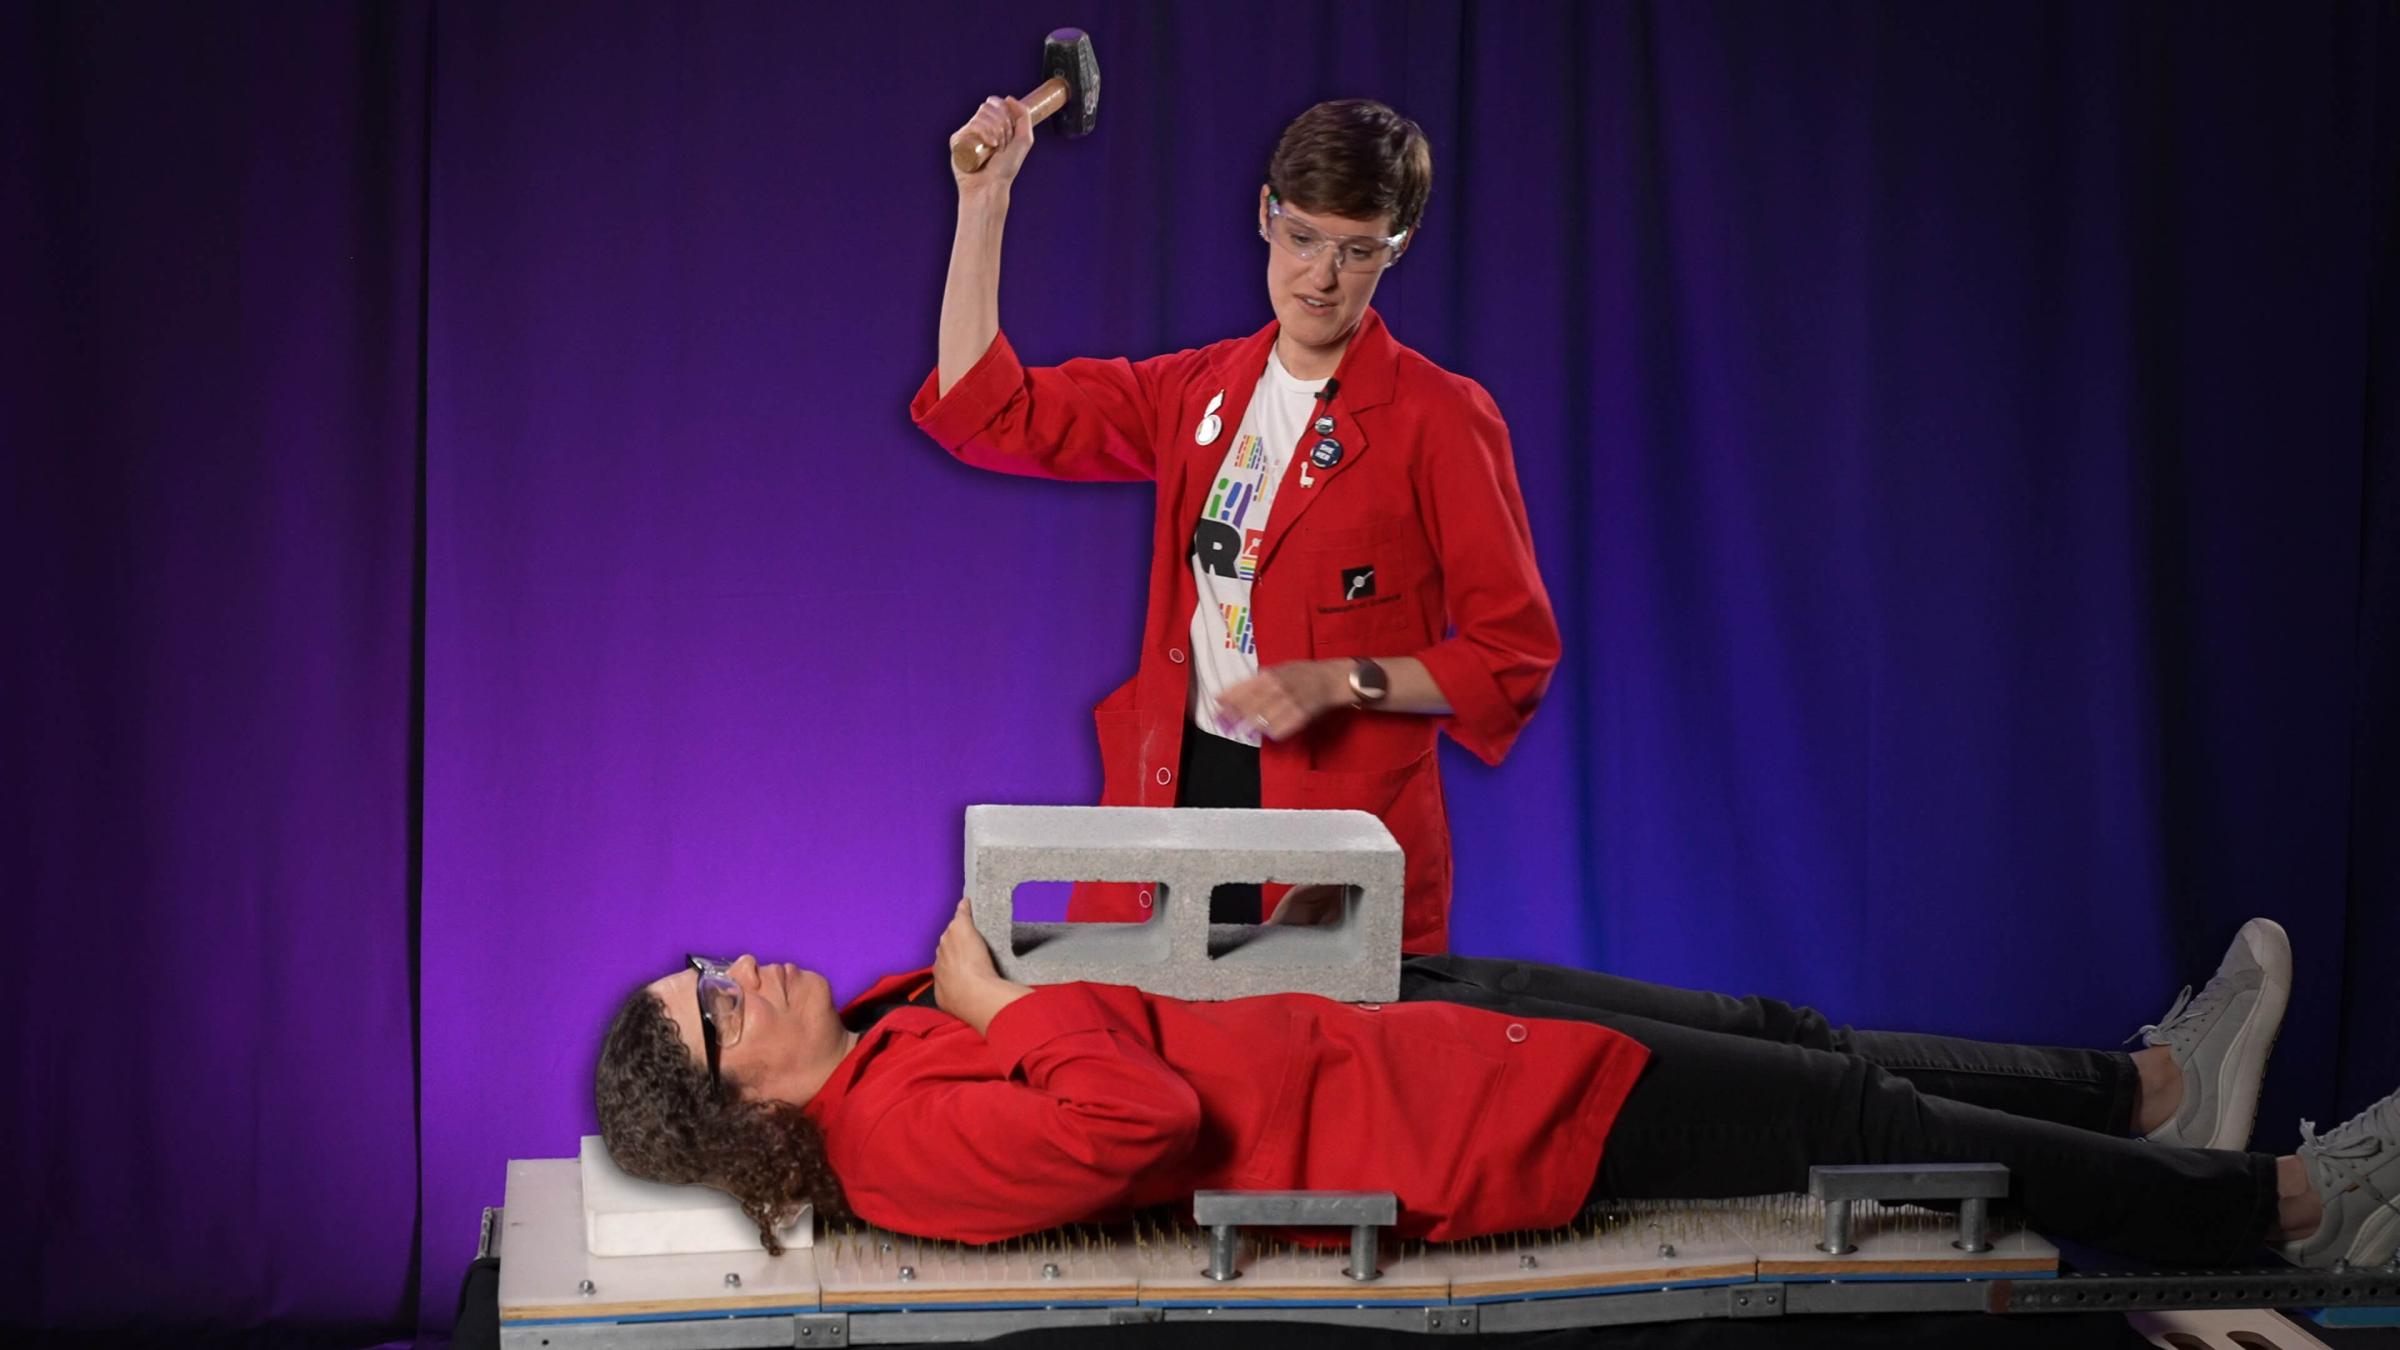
[[1361, 586], [1408, 800], [1373, 790]]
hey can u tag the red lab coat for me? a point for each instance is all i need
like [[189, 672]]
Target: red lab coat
[[1085, 1101], [1425, 493]]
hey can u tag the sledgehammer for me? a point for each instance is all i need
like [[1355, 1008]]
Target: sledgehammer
[[1072, 91]]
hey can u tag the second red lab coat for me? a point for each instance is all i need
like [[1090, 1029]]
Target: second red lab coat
[[1085, 1101], [1424, 494]]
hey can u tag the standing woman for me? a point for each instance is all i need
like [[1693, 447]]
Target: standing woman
[[1340, 563]]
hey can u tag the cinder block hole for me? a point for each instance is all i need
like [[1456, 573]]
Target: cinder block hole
[[1038, 918], [1299, 913], [1040, 901], [1239, 901]]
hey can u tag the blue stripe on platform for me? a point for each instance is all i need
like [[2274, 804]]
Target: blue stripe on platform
[[2362, 1315], [1296, 1303], [1603, 1291], [695, 1315], [1014, 1305], [811, 1309], [1018, 1305], [1929, 1277]]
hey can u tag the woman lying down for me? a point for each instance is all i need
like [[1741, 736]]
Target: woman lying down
[[1495, 1096]]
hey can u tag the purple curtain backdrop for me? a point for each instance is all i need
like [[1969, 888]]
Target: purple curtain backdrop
[[210, 298], [1960, 442]]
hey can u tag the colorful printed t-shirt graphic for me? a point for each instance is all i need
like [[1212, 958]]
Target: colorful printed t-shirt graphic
[[1225, 544]]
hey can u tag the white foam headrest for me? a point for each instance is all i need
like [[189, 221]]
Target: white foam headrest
[[623, 1216]]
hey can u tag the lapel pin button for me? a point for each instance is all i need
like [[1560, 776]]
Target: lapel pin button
[[1210, 424]]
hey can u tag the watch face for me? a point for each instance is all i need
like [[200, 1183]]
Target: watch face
[[1368, 681]]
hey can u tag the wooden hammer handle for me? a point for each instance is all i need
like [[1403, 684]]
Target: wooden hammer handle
[[968, 150]]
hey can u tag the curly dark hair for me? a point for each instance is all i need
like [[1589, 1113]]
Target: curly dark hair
[[1354, 157], [663, 1120]]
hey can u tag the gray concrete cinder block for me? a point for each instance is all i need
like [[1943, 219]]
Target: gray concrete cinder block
[[1180, 855]]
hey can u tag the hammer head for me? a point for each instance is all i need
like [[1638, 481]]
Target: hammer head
[[1067, 54]]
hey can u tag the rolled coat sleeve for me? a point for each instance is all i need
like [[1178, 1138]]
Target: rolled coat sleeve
[[1086, 419], [1495, 664], [1086, 1112]]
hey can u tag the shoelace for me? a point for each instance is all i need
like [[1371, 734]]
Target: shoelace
[[2183, 1018], [2357, 1139]]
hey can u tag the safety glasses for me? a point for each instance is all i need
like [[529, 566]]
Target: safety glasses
[[1352, 252], [720, 1009]]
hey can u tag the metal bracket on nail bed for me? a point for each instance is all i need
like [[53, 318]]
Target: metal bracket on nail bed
[[1225, 1213], [1973, 1185]]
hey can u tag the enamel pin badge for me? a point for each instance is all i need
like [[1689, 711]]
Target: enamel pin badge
[[1210, 424], [1327, 454]]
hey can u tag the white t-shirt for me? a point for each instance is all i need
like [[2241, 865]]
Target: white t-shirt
[[1225, 544]]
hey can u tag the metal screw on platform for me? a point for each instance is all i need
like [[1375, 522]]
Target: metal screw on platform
[[1221, 1240], [1972, 1218], [732, 1280], [583, 1287], [1837, 1229], [1666, 1249], [1526, 1262], [1362, 1254], [908, 1272], [1049, 1270]]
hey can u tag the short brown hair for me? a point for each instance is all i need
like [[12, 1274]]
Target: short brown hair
[[1354, 157], [664, 1120]]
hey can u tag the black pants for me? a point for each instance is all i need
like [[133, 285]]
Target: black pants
[[1743, 1096], [1219, 772]]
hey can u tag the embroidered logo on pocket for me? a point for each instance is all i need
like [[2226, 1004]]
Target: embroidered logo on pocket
[[1358, 583]]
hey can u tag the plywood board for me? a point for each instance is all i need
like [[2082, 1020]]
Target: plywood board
[[1612, 1248]]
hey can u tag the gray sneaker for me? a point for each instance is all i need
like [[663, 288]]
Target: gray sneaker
[[2222, 1036], [2356, 1170]]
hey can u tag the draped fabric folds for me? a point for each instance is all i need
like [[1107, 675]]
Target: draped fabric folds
[[468, 546], [213, 221]]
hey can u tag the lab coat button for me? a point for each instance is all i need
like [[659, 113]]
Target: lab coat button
[[1142, 898], [1372, 1007], [1175, 654], [1165, 776], [1516, 1033]]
